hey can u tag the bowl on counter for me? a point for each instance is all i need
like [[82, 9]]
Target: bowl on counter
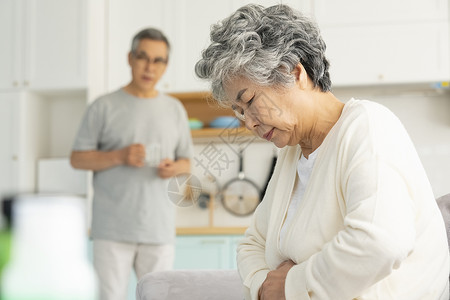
[[195, 123], [225, 122]]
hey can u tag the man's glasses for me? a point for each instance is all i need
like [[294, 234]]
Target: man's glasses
[[142, 58]]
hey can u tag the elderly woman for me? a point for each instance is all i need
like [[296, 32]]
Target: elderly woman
[[349, 212]]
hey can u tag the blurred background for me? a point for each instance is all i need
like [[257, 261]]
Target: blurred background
[[57, 56]]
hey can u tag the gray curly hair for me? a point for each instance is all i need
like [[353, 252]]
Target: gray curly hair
[[263, 45]]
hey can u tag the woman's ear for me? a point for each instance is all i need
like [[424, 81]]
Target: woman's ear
[[301, 77]]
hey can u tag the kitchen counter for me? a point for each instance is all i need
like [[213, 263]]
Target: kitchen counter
[[210, 230]]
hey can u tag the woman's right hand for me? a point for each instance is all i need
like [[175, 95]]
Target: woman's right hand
[[273, 286]]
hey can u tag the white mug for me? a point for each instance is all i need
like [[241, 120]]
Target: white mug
[[153, 154]]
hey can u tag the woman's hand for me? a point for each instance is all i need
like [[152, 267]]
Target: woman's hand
[[273, 287]]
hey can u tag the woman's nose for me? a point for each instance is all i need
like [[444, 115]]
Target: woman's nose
[[250, 121]]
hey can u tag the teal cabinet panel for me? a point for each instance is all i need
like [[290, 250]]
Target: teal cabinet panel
[[205, 252], [234, 242]]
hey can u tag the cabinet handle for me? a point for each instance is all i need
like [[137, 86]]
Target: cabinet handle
[[15, 83], [26, 83], [212, 242], [14, 157]]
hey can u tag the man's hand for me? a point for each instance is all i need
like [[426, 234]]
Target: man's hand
[[133, 155], [167, 168], [273, 287]]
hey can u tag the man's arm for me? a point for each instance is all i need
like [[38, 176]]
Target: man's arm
[[94, 160]]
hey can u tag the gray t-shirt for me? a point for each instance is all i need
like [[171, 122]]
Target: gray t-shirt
[[132, 204]]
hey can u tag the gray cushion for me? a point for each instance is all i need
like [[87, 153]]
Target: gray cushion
[[444, 205], [190, 284]]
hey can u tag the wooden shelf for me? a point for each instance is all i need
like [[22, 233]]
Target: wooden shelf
[[220, 132], [193, 96], [210, 230], [201, 105]]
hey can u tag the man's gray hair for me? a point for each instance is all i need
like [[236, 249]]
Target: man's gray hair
[[264, 45], [151, 34]]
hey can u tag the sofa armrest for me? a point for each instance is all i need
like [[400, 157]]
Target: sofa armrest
[[190, 284]]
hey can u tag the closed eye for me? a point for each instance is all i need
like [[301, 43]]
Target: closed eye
[[249, 102], [240, 111]]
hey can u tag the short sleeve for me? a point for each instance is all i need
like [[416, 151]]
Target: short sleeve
[[184, 147], [90, 128]]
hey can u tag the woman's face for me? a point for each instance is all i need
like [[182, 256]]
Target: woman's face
[[283, 116]]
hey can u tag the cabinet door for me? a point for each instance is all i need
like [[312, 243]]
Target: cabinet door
[[10, 52], [9, 134], [305, 6], [23, 123], [190, 35], [329, 12], [55, 44], [407, 53], [234, 242], [188, 30], [202, 252]]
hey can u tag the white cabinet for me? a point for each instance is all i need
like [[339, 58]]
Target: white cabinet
[[385, 42], [8, 134], [10, 34], [14, 150], [329, 12], [44, 82], [187, 26], [368, 42], [32, 127], [44, 44], [189, 36], [388, 54]]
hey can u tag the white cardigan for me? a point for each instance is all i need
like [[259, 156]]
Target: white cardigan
[[368, 226]]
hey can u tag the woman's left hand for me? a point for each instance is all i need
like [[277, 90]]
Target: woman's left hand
[[273, 286]]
